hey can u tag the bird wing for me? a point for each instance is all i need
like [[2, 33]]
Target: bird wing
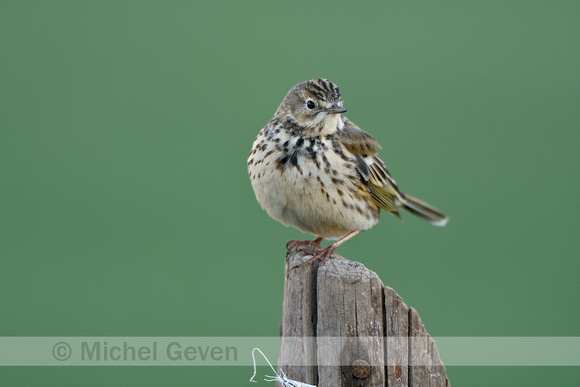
[[382, 187], [357, 141]]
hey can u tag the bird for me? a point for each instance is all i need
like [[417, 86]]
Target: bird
[[315, 170]]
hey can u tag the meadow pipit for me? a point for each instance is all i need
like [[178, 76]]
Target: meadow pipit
[[314, 169]]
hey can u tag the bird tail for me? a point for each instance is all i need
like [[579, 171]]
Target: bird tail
[[423, 210]]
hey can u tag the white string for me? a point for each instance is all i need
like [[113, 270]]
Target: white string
[[281, 377]]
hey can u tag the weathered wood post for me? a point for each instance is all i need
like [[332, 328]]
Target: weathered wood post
[[342, 327]]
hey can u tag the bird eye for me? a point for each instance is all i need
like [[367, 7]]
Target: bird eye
[[310, 104]]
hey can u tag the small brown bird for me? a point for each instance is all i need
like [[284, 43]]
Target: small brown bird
[[314, 169]]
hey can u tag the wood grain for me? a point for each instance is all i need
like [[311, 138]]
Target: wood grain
[[339, 313]]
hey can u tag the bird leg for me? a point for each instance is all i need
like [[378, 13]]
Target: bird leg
[[292, 244], [323, 255]]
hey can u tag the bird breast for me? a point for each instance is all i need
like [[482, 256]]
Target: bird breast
[[310, 182]]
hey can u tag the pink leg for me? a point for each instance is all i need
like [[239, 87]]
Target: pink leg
[[327, 252], [292, 244]]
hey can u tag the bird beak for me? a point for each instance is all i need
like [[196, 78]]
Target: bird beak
[[335, 109]]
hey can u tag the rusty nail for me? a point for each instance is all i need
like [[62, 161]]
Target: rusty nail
[[360, 369]]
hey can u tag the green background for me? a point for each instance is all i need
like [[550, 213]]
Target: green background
[[126, 209]]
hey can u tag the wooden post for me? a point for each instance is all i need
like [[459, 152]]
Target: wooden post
[[340, 314]]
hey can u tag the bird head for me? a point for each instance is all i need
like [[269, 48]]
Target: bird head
[[315, 105]]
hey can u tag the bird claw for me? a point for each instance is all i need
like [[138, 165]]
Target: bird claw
[[293, 244], [321, 255]]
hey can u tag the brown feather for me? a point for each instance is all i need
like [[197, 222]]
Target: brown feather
[[357, 141], [381, 186], [384, 199]]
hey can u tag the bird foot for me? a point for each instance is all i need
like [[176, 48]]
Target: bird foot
[[292, 244], [321, 255]]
